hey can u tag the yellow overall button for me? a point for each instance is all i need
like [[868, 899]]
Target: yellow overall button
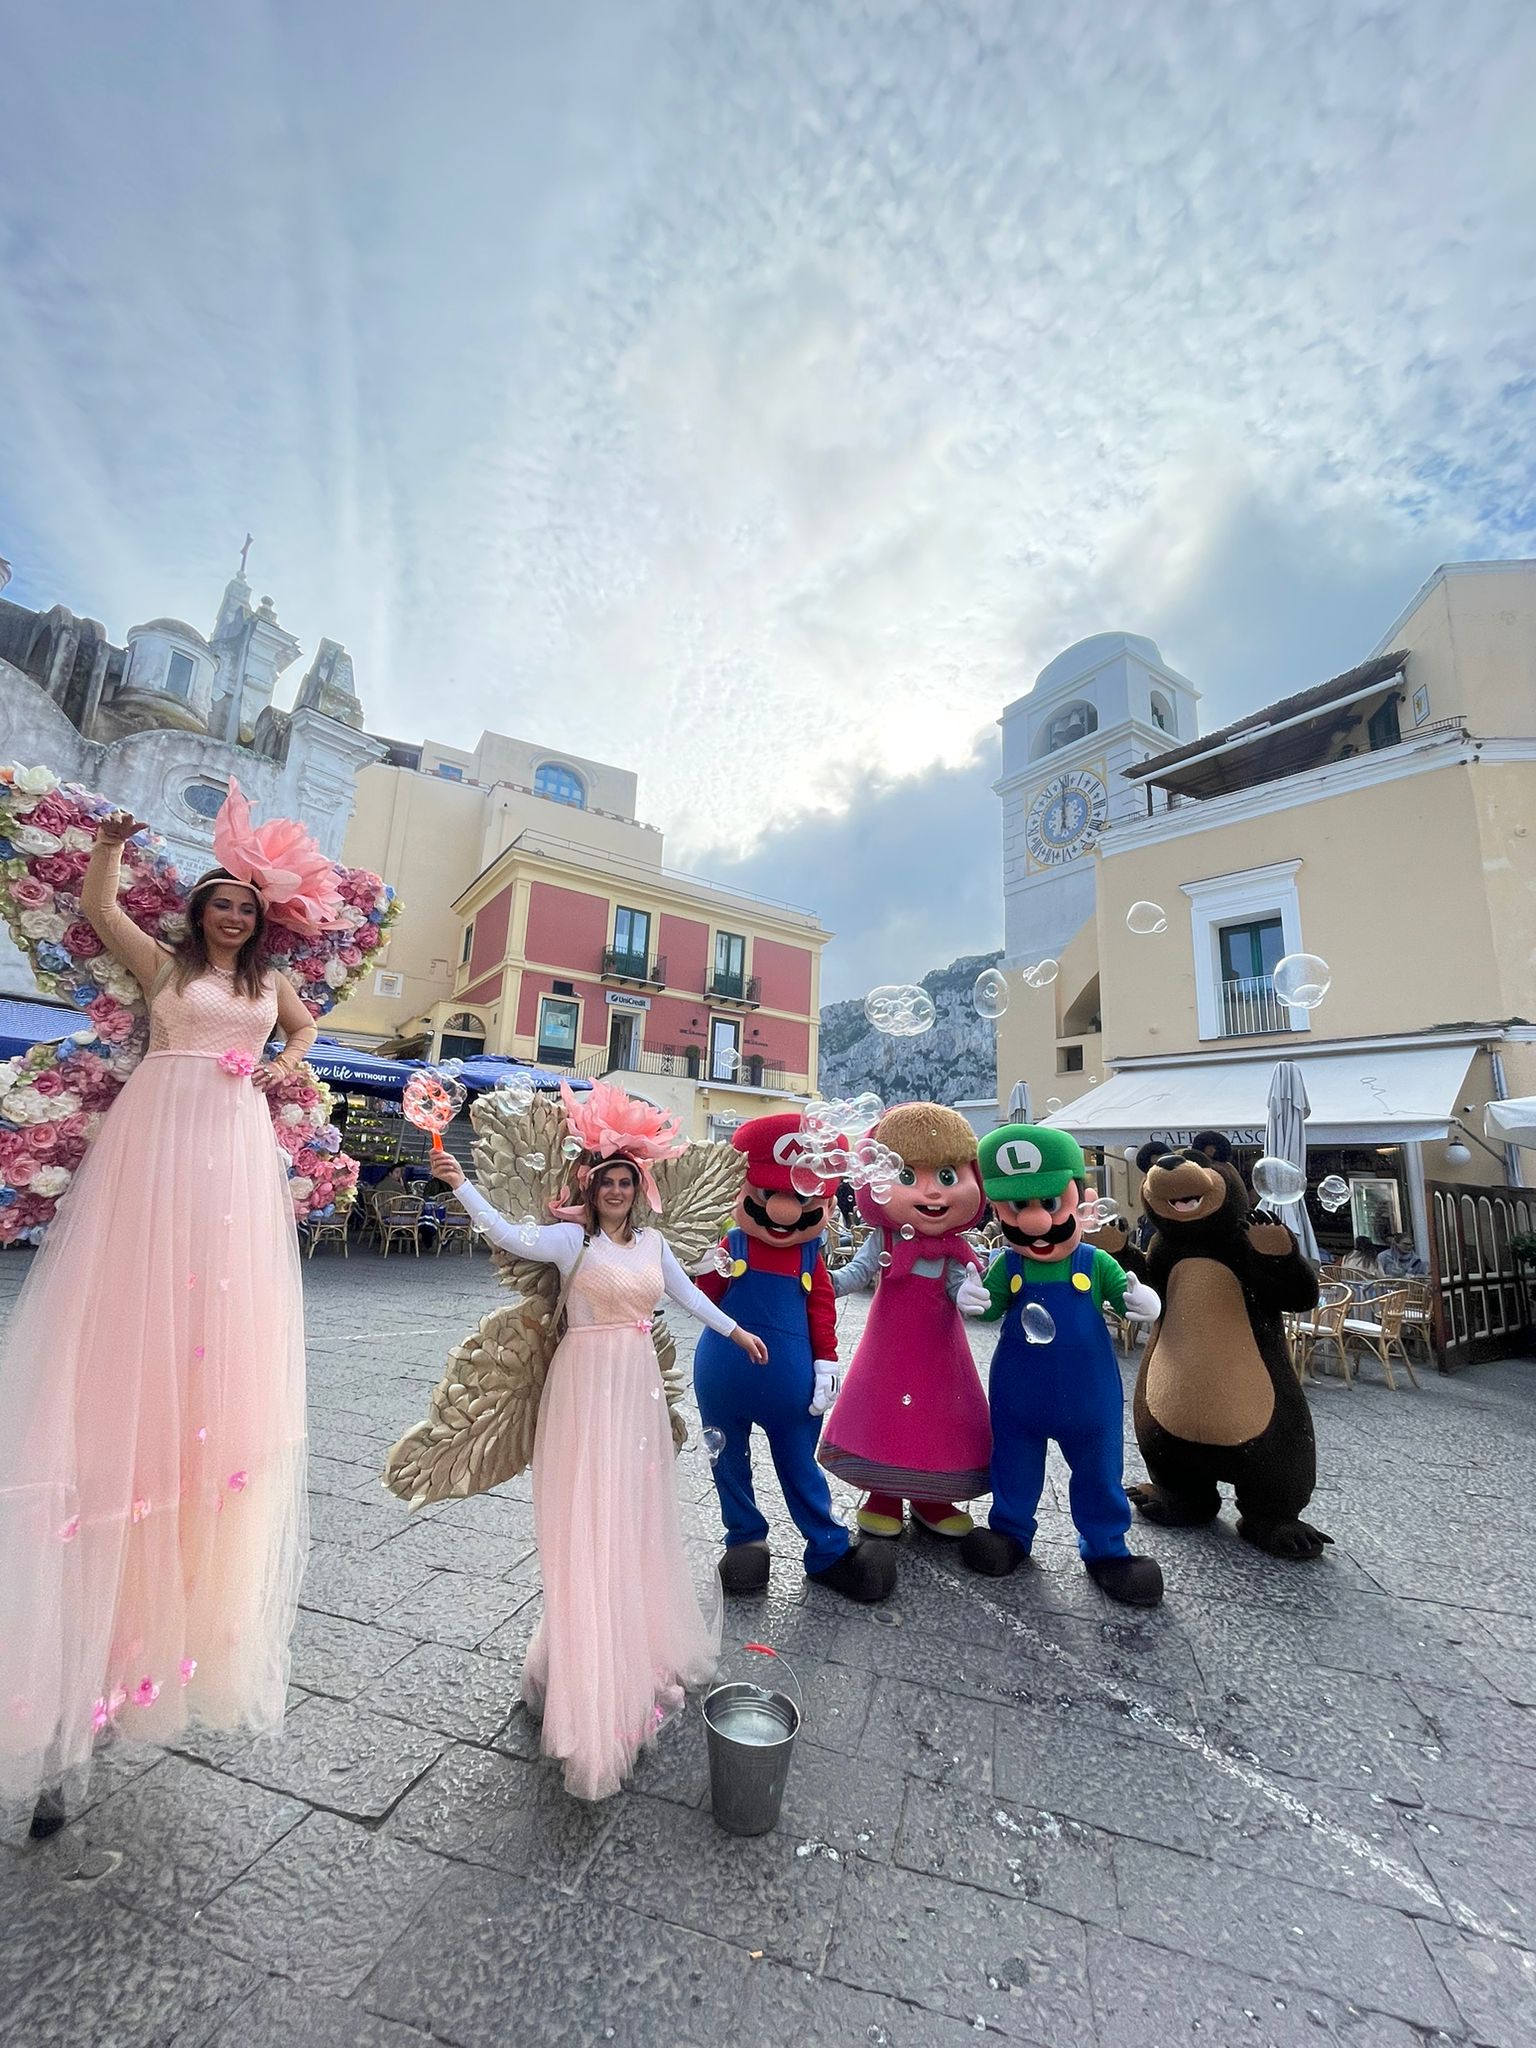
[[1081, 1282], [1015, 1283]]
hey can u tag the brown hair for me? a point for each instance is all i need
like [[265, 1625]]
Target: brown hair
[[927, 1134], [190, 955], [589, 1192]]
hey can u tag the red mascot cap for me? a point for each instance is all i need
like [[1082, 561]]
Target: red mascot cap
[[775, 1146]]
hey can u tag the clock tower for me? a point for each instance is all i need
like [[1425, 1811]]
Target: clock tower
[[1094, 711]]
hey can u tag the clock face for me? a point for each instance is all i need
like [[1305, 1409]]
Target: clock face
[[1066, 817]]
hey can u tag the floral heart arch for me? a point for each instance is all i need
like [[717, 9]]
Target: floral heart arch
[[53, 1098]]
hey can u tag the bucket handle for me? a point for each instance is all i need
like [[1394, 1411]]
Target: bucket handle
[[767, 1650]]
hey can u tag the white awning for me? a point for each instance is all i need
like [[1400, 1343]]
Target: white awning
[[1358, 1097], [1515, 1119]]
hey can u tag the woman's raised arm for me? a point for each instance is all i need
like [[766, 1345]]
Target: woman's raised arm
[[132, 948]]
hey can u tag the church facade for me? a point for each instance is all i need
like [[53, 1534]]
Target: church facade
[[162, 722]]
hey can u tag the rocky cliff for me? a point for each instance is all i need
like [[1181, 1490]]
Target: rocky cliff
[[954, 1062]]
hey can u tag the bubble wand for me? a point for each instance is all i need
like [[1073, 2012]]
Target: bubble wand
[[431, 1102]]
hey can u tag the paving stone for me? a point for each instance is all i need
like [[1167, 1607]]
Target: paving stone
[[675, 1766], [359, 1585], [1490, 1730], [852, 1803], [965, 1952], [1492, 1982], [787, 2008], [1104, 1780], [282, 2016], [184, 1832], [1259, 1830], [924, 1733], [343, 1658], [456, 1608], [1486, 1873], [333, 1755], [499, 1515], [1019, 1852], [461, 1693], [325, 1904], [514, 1816], [489, 1951], [342, 1477], [761, 1893], [443, 1545], [836, 1701], [354, 1524], [1268, 1927]]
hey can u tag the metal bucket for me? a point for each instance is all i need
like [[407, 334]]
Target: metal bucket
[[751, 1728]]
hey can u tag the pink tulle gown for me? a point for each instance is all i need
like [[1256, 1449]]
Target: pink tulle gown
[[152, 1506], [623, 1634]]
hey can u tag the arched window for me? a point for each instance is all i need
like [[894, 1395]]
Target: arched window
[[1073, 722], [560, 784], [1162, 713]]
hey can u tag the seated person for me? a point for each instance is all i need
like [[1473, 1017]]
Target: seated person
[[1399, 1261], [1364, 1259]]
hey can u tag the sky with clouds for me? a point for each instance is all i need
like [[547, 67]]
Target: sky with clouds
[[758, 393]]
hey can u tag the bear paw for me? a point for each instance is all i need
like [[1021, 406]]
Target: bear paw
[[1284, 1539], [1168, 1510]]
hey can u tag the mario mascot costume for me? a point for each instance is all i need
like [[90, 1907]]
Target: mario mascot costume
[[1054, 1373], [778, 1288]]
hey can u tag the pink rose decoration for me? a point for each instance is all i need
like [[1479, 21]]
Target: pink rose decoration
[[238, 1481], [42, 1141], [112, 1020], [21, 1169], [238, 1062], [145, 1693], [349, 956], [31, 894], [366, 937], [60, 870], [53, 813], [49, 1082]]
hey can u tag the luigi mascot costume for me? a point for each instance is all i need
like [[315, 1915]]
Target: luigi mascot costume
[[1054, 1374], [769, 1273]]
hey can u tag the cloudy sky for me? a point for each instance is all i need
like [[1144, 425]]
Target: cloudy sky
[[759, 392]]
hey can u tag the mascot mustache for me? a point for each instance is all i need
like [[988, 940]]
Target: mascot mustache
[[1028, 1240], [760, 1216]]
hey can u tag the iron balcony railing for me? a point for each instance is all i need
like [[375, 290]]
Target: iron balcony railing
[[689, 1063], [1250, 1007], [627, 966], [736, 988]]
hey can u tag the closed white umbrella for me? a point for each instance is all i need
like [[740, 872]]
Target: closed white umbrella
[[1018, 1103], [1285, 1137]]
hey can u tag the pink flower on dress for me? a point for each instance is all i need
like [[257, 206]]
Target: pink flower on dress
[[145, 1693], [239, 1062], [238, 1481], [188, 1667], [117, 1700], [199, 1350], [69, 1530], [99, 1717], [140, 1510], [192, 1277], [202, 1434]]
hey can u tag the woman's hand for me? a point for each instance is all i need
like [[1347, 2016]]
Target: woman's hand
[[754, 1347], [448, 1170], [117, 826], [270, 1074]]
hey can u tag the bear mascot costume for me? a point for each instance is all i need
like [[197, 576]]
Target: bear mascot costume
[[911, 1420], [1054, 1373], [769, 1273], [1217, 1398]]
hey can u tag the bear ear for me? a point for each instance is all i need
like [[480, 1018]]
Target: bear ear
[[1214, 1145], [1147, 1154]]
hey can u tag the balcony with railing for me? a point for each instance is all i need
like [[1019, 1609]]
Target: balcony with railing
[[648, 970], [735, 988], [1250, 1007], [688, 1063]]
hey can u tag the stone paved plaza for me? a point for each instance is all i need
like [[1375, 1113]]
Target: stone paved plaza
[[1295, 1806]]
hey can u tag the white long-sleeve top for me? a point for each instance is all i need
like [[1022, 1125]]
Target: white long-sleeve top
[[559, 1244]]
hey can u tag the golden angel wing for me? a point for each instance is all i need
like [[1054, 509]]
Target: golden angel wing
[[520, 1168], [698, 1192], [479, 1430], [673, 1379]]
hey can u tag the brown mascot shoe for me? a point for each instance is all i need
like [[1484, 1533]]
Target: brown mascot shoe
[[1133, 1581], [744, 1569]]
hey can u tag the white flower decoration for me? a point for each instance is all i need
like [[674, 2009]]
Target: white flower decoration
[[36, 781], [43, 924], [27, 839], [50, 1180]]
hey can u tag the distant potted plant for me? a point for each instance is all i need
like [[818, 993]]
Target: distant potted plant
[[1524, 1248]]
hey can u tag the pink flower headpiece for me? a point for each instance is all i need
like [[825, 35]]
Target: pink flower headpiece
[[296, 883], [613, 1125]]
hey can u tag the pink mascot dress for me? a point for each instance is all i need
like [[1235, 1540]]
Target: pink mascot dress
[[152, 1430]]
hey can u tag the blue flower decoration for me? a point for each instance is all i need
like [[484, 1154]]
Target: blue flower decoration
[[7, 1196]]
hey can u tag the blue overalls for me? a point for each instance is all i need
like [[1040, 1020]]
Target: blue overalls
[[1068, 1389], [734, 1394]]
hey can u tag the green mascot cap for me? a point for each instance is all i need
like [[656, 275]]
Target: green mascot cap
[[1022, 1162]]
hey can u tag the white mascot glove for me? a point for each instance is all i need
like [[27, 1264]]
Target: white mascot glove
[[972, 1298], [828, 1380], [1141, 1304]]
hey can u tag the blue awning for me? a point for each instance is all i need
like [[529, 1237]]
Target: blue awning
[[344, 1066], [492, 1070], [23, 1025]]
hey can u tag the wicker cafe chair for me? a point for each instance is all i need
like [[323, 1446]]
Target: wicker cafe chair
[[1321, 1325], [1375, 1326], [1419, 1316], [456, 1231], [400, 1217], [333, 1230]]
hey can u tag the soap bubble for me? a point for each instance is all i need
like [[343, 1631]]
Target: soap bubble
[[906, 1400], [885, 1258], [571, 1149], [907, 1012], [720, 1258], [714, 1443], [1130, 1154], [1038, 1324], [1303, 979], [1333, 1192], [879, 1003], [728, 1061], [819, 1118], [527, 1232], [864, 1110], [1277, 1180], [533, 1162], [1146, 919], [1041, 975], [804, 1179], [990, 995], [907, 1233], [1052, 1104]]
